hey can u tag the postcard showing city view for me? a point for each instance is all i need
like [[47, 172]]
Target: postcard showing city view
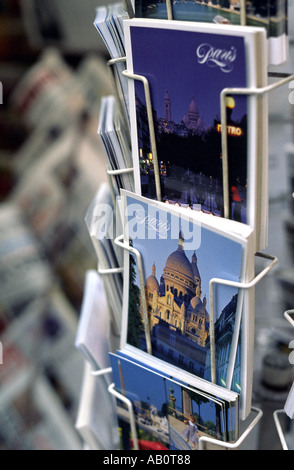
[[187, 70], [179, 259], [169, 415], [268, 14]]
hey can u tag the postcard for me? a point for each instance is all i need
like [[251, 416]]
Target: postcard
[[102, 229], [224, 12], [93, 332], [108, 23], [187, 326], [187, 66], [97, 406], [168, 412], [113, 137]]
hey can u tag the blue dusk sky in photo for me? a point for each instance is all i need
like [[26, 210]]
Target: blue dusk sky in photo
[[217, 255], [135, 380], [156, 393], [169, 60]]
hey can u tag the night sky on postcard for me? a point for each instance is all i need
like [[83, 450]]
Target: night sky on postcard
[[187, 64]]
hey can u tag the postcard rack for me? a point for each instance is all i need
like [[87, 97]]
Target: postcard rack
[[119, 241], [288, 314], [204, 440]]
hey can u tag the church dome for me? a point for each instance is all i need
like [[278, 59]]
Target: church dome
[[178, 261], [193, 108], [152, 283]]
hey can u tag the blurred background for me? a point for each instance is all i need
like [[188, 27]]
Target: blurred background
[[53, 73]]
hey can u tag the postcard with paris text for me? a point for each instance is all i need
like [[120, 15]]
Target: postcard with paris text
[[187, 66]]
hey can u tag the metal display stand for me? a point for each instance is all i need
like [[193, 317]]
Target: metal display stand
[[204, 440]]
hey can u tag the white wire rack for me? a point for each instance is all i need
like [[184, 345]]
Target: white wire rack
[[204, 440]]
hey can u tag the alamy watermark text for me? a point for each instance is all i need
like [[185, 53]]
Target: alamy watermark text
[[146, 222]]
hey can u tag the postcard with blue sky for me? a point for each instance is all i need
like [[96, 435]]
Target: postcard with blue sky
[[187, 68], [180, 256], [166, 411]]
